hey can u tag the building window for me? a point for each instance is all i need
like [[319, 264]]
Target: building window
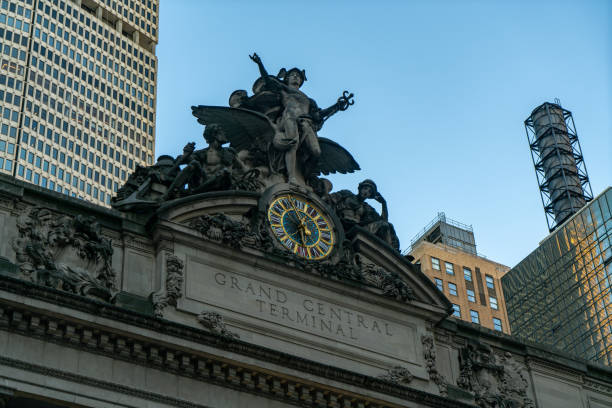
[[489, 280], [474, 316], [452, 289], [497, 324], [471, 295], [467, 274], [456, 310], [449, 268], [435, 263], [439, 285], [493, 302]]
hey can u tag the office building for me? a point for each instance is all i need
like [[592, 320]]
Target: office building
[[77, 92], [446, 251], [560, 293]]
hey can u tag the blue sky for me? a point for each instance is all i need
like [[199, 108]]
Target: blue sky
[[441, 92]]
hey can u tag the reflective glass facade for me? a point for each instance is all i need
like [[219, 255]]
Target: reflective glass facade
[[77, 92], [560, 294]]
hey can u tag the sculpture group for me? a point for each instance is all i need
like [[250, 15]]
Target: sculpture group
[[272, 136]]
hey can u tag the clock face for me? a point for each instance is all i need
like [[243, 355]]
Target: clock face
[[301, 227]]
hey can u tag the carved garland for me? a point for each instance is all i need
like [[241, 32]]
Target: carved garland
[[429, 352], [174, 285], [215, 324]]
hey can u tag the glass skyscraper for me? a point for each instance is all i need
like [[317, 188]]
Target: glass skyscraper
[[77, 92], [560, 294]]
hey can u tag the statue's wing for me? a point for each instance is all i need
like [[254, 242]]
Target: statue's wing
[[335, 158], [243, 128]]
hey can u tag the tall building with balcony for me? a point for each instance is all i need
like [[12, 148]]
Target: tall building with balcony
[[77, 92], [560, 294], [446, 251]]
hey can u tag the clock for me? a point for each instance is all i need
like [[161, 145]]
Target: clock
[[301, 227]]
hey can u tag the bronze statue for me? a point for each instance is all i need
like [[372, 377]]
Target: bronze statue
[[136, 192], [211, 168], [282, 122], [354, 211]]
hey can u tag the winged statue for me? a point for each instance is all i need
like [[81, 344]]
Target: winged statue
[[272, 139], [278, 125]]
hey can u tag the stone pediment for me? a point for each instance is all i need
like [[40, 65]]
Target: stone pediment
[[236, 220]]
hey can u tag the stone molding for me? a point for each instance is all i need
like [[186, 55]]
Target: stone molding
[[598, 386], [50, 372], [150, 352]]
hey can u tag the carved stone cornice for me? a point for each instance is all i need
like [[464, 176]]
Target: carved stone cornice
[[151, 352], [50, 372], [598, 386]]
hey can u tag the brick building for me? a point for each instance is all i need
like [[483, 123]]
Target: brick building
[[446, 251]]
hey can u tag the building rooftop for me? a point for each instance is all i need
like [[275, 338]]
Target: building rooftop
[[449, 232]]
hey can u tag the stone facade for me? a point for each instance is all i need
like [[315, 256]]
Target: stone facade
[[190, 306]]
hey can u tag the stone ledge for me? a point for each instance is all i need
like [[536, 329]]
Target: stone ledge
[[537, 352], [189, 363]]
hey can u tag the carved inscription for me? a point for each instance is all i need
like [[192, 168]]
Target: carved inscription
[[306, 313], [310, 313]]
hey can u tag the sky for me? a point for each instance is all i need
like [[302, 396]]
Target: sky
[[442, 89]]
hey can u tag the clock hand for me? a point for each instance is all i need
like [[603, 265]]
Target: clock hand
[[301, 226], [302, 220], [302, 236]]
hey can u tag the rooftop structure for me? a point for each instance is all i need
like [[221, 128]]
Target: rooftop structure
[[448, 232], [559, 165]]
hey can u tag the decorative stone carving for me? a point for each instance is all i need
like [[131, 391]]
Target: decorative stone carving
[[494, 385], [66, 253], [354, 211], [174, 284], [224, 229], [214, 323], [389, 282], [398, 375], [429, 353]]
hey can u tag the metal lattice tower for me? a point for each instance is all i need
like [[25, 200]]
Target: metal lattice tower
[[557, 157]]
